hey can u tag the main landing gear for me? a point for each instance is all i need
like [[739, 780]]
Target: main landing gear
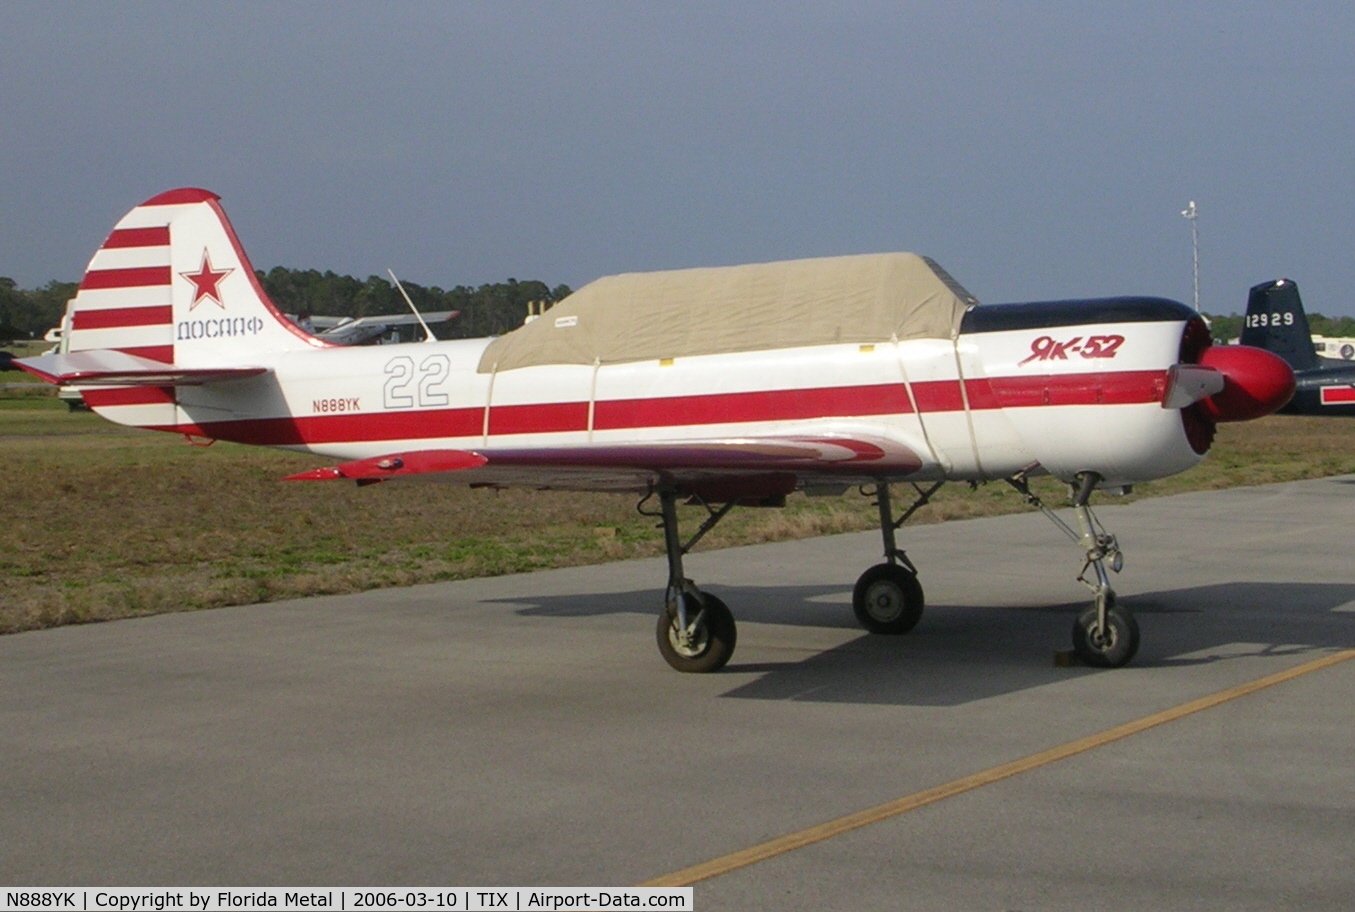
[[1106, 634], [696, 631], [888, 598]]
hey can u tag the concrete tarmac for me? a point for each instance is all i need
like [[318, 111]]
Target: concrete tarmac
[[523, 731]]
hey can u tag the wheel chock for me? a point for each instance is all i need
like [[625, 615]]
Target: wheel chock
[[1066, 658]]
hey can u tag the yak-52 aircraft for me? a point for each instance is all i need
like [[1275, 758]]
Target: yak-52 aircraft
[[1277, 322], [722, 386]]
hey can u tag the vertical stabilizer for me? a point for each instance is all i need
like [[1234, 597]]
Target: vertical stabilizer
[[172, 283], [1276, 322]]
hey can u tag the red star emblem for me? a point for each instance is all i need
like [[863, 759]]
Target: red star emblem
[[205, 282]]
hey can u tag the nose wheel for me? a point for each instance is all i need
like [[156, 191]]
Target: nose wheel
[[1108, 643], [1104, 635]]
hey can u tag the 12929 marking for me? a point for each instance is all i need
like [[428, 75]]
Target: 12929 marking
[[1275, 318]]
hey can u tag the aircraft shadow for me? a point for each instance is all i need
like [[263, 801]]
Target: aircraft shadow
[[963, 653]]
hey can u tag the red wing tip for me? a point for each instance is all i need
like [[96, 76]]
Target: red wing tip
[[381, 467], [181, 196], [40, 374], [332, 473]]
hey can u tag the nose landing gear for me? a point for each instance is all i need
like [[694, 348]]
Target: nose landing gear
[[1105, 635]]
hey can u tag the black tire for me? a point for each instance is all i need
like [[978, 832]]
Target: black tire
[[714, 642], [1116, 648], [888, 599]]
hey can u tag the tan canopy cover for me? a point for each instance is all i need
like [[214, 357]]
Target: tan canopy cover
[[641, 316]]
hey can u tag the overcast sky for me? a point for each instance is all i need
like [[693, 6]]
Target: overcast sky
[[1036, 150]]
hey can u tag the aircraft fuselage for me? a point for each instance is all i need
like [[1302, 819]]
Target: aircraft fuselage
[[727, 385], [1022, 385]]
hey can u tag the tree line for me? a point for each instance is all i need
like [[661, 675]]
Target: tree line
[[488, 310], [27, 314]]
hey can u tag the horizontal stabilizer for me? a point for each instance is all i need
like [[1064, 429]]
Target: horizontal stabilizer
[[420, 462], [108, 367]]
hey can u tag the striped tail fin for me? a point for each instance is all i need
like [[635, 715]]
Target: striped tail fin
[[173, 285], [169, 300]]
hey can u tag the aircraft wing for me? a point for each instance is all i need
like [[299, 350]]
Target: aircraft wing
[[356, 331], [409, 319], [399, 319], [107, 367], [717, 468]]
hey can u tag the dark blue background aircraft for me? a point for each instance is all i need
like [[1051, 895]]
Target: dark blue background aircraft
[[1276, 322]]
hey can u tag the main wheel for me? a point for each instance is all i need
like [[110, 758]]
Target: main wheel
[[1111, 648], [888, 599], [711, 642]]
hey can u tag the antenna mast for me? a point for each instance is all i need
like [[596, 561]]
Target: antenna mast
[[428, 333], [1192, 216]]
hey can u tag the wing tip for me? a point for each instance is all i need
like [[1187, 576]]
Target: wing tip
[[379, 468]]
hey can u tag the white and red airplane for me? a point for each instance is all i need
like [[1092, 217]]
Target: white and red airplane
[[725, 386]]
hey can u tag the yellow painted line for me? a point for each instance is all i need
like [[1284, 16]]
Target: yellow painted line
[[806, 837]]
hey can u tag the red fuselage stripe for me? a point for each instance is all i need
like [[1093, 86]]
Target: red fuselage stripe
[[734, 408], [1338, 395], [343, 428], [543, 418], [1131, 387], [119, 317], [1128, 388]]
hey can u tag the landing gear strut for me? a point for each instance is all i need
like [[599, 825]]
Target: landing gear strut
[[696, 631], [1104, 635], [888, 598]]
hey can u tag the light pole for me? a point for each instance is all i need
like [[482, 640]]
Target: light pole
[[1192, 216]]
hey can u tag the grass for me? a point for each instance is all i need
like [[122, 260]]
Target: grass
[[104, 522]]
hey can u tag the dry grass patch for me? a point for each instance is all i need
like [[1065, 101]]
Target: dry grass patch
[[104, 522]]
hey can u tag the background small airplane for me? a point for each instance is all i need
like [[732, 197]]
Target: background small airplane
[[371, 330], [1276, 322], [725, 386]]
